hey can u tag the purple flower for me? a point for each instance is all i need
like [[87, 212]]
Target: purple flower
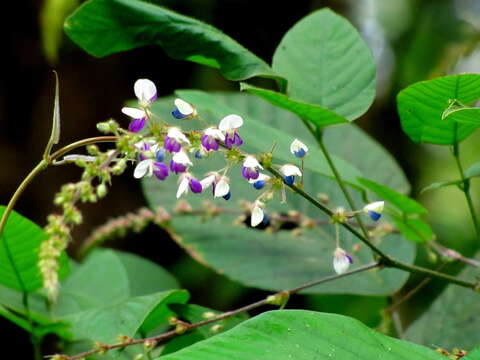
[[188, 181], [210, 139], [160, 170], [174, 139], [180, 162], [195, 185], [250, 168], [149, 167], [229, 125], [146, 92]]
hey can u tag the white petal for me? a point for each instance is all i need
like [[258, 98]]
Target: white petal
[[143, 168], [376, 206], [222, 188], [134, 113], [178, 135], [184, 107], [208, 181], [144, 89], [230, 122], [257, 216], [260, 177], [251, 162], [217, 134], [290, 170], [183, 187], [181, 158], [297, 145]]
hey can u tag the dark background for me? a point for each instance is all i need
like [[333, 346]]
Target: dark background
[[413, 40]]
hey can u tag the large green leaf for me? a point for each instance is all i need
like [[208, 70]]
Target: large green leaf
[[19, 247], [103, 27], [422, 105], [318, 115], [303, 335], [281, 259], [453, 320], [123, 277], [327, 63]]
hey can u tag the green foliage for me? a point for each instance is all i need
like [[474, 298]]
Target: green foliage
[[19, 247], [303, 335], [422, 105], [104, 27], [328, 64], [453, 320], [472, 172]]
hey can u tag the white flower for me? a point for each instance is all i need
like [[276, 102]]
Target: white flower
[[257, 214], [181, 158], [145, 91], [261, 177], [178, 135], [143, 168], [230, 122], [209, 180], [290, 170], [215, 133], [374, 209], [251, 162], [134, 113], [183, 185], [183, 109], [298, 148], [341, 261], [221, 187]]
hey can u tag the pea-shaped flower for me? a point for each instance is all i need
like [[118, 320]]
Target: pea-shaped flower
[[341, 260], [188, 181], [259, 182], [180, 162], [258, 215], [289, 172], [374, 210], [149, 167], [298, 148], [220, 185], [146, 92], [174, 140], [183, 110], [210, 139], [250, 168], [229, 125]]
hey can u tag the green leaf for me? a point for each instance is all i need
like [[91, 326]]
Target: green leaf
[[303, 335], [422, 105], [123, 277], [20, 244], [469, 116], [318, 115], [414, 229], [283, 260], [104, 27], [453, 320], [402, 202], [327, 63], [141, 313], [471, 172], [474, 354]]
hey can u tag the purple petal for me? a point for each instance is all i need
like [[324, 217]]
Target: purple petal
[[195, 186], [160, 170], [176, 167], [137, 124], [349, 258], [237, 140]]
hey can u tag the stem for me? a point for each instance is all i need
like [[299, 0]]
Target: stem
[[465, 187], [172, 333]]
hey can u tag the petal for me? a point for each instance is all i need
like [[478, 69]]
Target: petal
[[290, 170], [184, 107], [222, 188], [217, 134], [257, 216], [251, 162], [177, 134], [341, 261], [142, 168], [230, 122], [297, 145], [181, 158], [183, 186], [134, 112], [137, 125], [208, 181], [145, 90], [261, 177], [376, 206]]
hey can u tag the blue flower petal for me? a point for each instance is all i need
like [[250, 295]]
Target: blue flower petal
[[289, 179], [374, 215], [259, 184]]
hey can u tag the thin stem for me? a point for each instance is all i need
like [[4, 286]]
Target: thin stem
[[465, 187], [169, 334]]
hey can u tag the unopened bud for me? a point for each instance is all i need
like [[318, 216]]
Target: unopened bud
[[101, 190], [103, 127]]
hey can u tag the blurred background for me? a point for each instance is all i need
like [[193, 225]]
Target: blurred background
[[412, 40]]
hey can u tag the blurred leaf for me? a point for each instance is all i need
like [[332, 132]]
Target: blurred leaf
[[422, 105], [123, 276], [471, 172], [414, 229], [474, 354], [283, 260], [327, 63], [52, 16], [141, 313], [319, 116], [402, 202], [104, 27], [20, 244], [303, 335], [453, 320]]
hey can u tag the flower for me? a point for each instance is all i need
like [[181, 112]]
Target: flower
[[148, 149], [183, 110], [174, 139], [229, 125], [210, 137], [220, 185], [180, 162], [289, 171], [298, 148], [260, 181], [374, 210], [250, 168], [149, 167], [341, 260], [188, 181], [146, 92], [257, 215]]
